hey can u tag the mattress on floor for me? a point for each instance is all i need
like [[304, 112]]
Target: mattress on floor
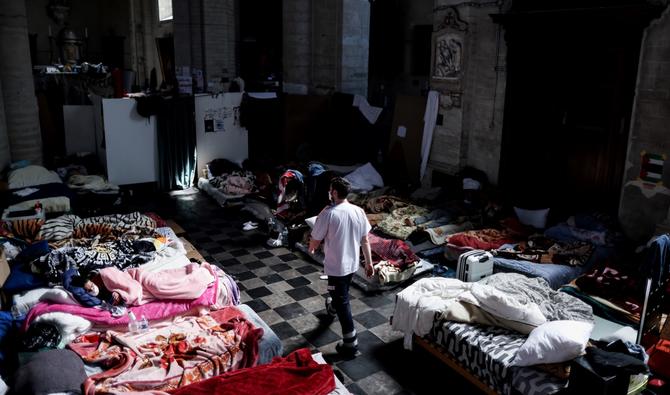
[[488, 353], [222, 198], [360, 278], [556, 275], [269, 346]]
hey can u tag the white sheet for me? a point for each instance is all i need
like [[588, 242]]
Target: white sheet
[[24, 302], [60, 204], [365, 178]]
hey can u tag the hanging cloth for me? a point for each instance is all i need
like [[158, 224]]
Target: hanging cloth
[[176, 143], [429, 122]]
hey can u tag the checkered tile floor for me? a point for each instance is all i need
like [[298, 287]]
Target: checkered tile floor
[[284, 288]]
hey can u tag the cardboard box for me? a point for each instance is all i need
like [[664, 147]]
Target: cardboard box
[[4, 267]]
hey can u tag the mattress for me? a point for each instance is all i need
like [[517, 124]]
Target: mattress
[[269, 346], [556, 275], [488, 353], [360, 278], [222, 198]]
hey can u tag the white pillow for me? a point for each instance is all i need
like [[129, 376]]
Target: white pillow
[[534, 218], [554, 342], [365, 178], [30, 176]]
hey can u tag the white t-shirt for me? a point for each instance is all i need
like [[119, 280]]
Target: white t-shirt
[[342, 227]]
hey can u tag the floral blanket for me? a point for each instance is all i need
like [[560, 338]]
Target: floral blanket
[[171, 355]]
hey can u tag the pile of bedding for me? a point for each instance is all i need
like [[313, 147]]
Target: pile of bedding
[[76, 283], [31, 184]]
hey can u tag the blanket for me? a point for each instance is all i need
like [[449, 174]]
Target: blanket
[[541, 249], [121, 253], [152, 311], [297, 374], [400, 224], [138, 286], [235, 183], [168, 357], [395, 252], [438, 235], [505, 296], [483, 239], [106, 227]]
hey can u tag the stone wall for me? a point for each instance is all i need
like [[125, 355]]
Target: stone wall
[[472, 106], [326, 46], [205, 36], [643, 205], [355, 46], [18, 88], [297, 46]]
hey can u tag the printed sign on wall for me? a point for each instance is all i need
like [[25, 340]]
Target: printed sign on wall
[[651, 169]]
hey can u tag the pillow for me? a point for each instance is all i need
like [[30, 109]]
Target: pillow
[[554, 342], [50, 371], [534, 218], [30, 176]]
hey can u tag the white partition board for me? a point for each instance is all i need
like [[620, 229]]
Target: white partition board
[[230, 140], [131, 143]]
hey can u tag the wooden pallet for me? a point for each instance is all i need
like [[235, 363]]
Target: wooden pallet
[[440, 353], [191, 252], [178, 230]]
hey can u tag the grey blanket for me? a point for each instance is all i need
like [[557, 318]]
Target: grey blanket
[[553, 304]]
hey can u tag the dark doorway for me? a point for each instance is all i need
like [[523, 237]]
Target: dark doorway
[[261, 44], [571, 80]]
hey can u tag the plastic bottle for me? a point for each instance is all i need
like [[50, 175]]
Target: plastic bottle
[[133, 324], [143, 324], [284, 236]]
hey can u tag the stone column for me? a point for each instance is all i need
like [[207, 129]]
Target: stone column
[[355, 47], [646, 203], [5, 157], [219, 38], [18, 87], [297, 45], [340, 46]]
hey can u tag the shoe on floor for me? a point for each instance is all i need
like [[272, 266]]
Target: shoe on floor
[[346, 351], [250, 226], [329, 307], [274, 242]]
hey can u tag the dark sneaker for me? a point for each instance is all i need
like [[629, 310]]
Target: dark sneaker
[[346, 352], [329, 307]]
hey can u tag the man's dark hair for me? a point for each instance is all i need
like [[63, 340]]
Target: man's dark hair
[[341, 186]]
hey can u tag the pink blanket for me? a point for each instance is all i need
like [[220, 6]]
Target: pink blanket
[[138, 286], [152, 311]]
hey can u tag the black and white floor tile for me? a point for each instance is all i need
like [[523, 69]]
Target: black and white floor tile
[[284, 288]]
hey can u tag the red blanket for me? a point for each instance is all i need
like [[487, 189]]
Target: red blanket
[[483, 239], [296, 374], [394, 251]]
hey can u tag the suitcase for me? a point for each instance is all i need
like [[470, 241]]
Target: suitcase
[[474, 265]]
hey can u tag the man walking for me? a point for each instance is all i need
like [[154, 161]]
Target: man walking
[[344, 228]]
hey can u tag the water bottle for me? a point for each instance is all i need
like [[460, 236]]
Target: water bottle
[[143, 324], [284, 236], [133, 324]]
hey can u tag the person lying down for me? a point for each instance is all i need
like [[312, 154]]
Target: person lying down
[[135, 287]]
